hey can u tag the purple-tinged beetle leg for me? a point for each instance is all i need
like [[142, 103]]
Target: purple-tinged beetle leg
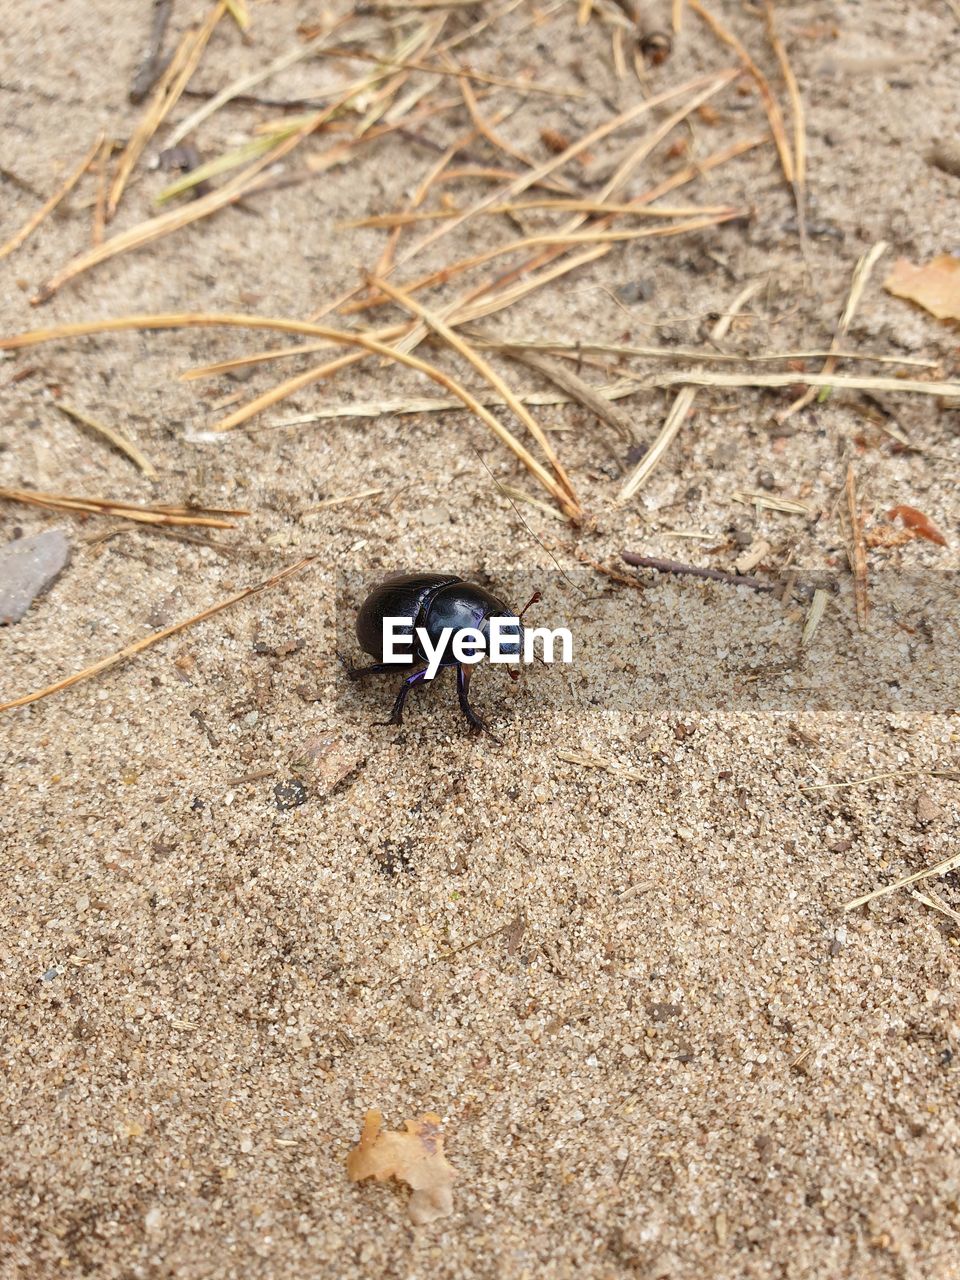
[[375, 668], [396, 716], [463, 688]]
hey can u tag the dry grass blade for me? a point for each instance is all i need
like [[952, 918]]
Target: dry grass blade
[[583, 347], [771, 106], [435, 404], [520, 495], [681, 405], [412, 64], [857, 550], [569, 350], [218, 367], [568, 236], [239, 13], [652, 140], [861, 275], [941, 869], [161, 320], [386, 261], [173, 220], [567, 503], [931, 900], [31, 224], [249, 81], [702, 167], [676, 16], [881, 777], [422, 42], [118, 441], [766, 502], [486, 129], [165, 96], [138, 646], [532, 178], [243, 154], [499, 292], [799, 121], [839, 382], [99, 219], [158, 514], [818, 607], [341, 501], [453, 339], [288, 388], [577, 390], [406, 219], [559, 242]]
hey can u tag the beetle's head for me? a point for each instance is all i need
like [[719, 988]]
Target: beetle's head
[[512, 635]]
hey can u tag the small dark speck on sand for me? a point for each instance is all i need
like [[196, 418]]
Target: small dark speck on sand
[[289, 794]]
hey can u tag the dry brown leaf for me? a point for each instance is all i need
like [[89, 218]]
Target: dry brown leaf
[[921, 525], [935, 286], [415, 1157]]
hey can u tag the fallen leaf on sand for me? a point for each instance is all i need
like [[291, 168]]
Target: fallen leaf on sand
[[922, 525], [415, 1157], [935, 286]]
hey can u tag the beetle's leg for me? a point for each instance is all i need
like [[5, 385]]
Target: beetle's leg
[[463, 687], [375, 668], [396, 715]]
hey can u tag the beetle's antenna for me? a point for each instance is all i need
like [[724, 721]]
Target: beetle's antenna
[[534, 599], [563, 573]]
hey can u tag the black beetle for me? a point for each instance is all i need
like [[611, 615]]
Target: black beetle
[[432, 601]]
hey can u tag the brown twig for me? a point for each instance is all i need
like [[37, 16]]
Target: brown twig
[[151, 65], [171, 85], [694, 571], [138, 646], [857, 550]]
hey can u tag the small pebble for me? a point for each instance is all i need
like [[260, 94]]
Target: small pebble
[[945, 155], [290, 794], [636, 291], [28, 567]]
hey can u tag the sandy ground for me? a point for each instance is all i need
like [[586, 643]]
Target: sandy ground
[[659, 1046]]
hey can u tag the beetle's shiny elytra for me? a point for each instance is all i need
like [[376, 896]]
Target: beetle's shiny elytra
[[433, 601]]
